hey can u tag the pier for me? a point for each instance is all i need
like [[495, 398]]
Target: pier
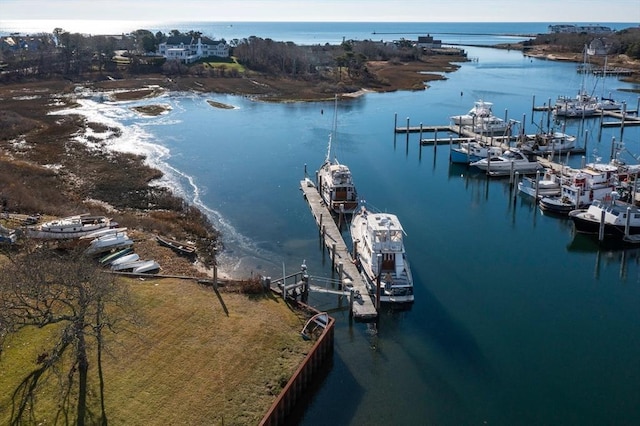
[[362, 306]]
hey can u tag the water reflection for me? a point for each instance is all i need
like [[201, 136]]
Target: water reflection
[[607, 254]]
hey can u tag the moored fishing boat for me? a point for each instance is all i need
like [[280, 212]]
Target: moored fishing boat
[[380, 253], [596, 181], [549, 143], [615, 219]]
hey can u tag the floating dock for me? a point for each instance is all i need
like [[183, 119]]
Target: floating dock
[[363, 307]]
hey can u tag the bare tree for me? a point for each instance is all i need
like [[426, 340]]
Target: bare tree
[[67, 293]]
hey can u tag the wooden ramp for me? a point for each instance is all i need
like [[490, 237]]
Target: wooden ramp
[[363, 307]]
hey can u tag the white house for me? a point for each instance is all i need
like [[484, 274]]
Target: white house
[[187, 49]]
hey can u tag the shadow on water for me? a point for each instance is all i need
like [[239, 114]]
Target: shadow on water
[[606, 253], [349, 389], [451, 337]]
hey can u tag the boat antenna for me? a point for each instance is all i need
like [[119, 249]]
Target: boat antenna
[[334, 127]]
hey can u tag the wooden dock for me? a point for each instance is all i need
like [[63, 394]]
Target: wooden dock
[[363, 307]]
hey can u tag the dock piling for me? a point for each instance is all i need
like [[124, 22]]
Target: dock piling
[[408, 129], [601, 228]]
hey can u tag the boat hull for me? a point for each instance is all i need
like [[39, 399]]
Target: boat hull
[[556, 206], [380, 256], [461, 156], [587, 225]]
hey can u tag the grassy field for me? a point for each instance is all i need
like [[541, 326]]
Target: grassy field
[[189, 363]]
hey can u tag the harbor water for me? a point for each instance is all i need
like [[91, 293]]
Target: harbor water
[[516, 320]]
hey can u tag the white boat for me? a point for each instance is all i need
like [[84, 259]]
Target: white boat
[[109, 242], [580, 106], [479, 111], [129, 258], [469, 152], [109, 258], [583, 105], [7, 235], [380, 253], [146, 267], [617, 219], [511, 161], [126, 266], [595, 181], [549, 143], [493, 126], [68, 227], [548, 186], [609, 104], [101, 233], [480, 119], [335, 182]]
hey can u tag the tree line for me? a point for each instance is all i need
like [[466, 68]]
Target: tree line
[[623, 42], [74, 54]]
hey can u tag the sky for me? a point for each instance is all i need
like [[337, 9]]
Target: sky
[[578, 11]]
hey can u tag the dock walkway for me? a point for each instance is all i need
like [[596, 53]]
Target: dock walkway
[[363, 307]]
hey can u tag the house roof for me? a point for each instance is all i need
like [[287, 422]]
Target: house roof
[[188, 40]]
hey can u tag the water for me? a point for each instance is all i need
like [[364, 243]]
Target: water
[[307, 33], [516, 320]]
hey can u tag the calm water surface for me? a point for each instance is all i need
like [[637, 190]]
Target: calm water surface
[[516, 321]]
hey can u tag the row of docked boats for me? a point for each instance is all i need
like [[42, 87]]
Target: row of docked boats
[[377, 238], [494, 154], [598, 198]]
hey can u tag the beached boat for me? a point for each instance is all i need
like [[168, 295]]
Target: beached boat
[[146, 267], [616, 219], [101, 233], [128, 258], [7, 236], [125, 262], [186, 249], [469, 152], [109, 242], [511, 161], [68, 227], [380, 253], [112, 257], [335, 182]]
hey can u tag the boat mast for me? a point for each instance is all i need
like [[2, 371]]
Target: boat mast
[[333, 129]]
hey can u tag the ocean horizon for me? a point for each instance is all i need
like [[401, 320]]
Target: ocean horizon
[[305, 33]]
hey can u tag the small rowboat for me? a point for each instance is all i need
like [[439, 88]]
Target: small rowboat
[[177, 246]]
